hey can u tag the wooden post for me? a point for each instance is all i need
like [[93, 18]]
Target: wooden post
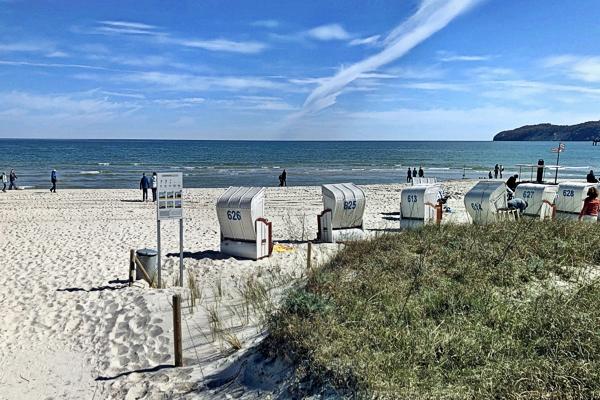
[[309, 256], [131, 266], [177, 330], [438, 213]]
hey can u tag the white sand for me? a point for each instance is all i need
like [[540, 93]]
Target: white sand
[[71, 328]]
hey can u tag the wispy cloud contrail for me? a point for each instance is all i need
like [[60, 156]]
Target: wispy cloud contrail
[[431, 16]]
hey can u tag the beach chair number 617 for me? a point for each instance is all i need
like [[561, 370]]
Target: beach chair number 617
[[350, 205], [234, 215]]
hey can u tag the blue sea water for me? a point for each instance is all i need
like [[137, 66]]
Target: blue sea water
[[120, 163]]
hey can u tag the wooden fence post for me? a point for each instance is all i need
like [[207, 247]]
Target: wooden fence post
[[177, 330], [309, 256], [131, 266]]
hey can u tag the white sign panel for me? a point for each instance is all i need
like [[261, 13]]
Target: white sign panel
[[170, 199]]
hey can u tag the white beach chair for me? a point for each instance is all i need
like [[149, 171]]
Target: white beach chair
[[343, 210], [419, 205], [245, 232], [569, 199], [485, 200], [539, 198]]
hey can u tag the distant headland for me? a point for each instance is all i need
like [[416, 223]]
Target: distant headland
[[586, 131]]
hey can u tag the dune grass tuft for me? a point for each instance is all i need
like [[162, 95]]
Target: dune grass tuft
[[509, 310]]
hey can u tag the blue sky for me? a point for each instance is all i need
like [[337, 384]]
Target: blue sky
[[215, 69]]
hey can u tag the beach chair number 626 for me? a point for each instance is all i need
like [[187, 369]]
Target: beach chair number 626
[[350, 205], [568, 193], [234, 215], [412, 198], [476, 206]]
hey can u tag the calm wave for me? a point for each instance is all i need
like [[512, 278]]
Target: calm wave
[[119, 163]]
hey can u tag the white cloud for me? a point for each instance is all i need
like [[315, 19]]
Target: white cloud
[[371, 40], [436, 86], [189, 82], [126, 28], [57, 54], [451, 57], [266, 23], [244, 47], [328, 32], [432, 16], [180, 103], [585, 68], [54, 65]]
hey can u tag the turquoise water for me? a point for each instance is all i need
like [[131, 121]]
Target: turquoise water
[[119, 163]]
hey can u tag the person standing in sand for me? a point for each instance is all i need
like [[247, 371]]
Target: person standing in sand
[[591, 206], [409, 176], [421, 172], [13, 178], [496, 170], [154, 186], [414, 172], [284, 178], [53, 180], [144, 185], [3, 180]]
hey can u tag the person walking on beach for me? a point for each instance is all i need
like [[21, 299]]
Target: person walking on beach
[[590, 178], [53, 180], [154, 186], [414, 172], [501, 169], [421, 172], [12, 177], [284, 178], [3, 180], [591, 206], [409, 176], [496, 170], [144, 185]]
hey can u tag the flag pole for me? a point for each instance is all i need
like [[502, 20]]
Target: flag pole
[[557, 159]]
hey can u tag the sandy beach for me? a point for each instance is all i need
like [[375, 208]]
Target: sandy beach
[[71, 326]]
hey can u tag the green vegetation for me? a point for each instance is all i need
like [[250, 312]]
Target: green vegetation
[[586, 131], [454, 312]]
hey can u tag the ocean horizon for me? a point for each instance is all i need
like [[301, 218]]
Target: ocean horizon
[[119, 163]]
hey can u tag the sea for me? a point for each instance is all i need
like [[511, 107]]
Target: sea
[[204, 163]]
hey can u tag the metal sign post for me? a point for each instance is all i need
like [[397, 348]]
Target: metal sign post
[[558, 150], [170, 206]]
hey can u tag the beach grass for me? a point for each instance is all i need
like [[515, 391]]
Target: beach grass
[[508, 310]]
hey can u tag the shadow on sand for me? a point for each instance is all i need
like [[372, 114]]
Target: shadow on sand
[[153, 369]]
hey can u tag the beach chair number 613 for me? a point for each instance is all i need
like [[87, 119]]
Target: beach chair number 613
[[412, 198], [350, 205], [568, 193], [234, 215]]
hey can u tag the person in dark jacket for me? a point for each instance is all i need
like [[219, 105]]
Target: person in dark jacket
[[284, 178], [511, 183], [490, 175], [496, 170], [53, 180], [144, 185], [591, 178], [12, 177], [409, 176], [421, 172], [414, 172]]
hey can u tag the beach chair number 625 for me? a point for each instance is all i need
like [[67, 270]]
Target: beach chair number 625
[[234, 215], [350, 205], [568, 193]]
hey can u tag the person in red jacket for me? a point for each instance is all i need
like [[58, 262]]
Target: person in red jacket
[[591, 206]]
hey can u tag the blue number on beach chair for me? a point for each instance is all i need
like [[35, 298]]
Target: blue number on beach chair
[[412, 198], [234, 215], [476, 206], [568, 193], [350, 205], [528, 194]]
